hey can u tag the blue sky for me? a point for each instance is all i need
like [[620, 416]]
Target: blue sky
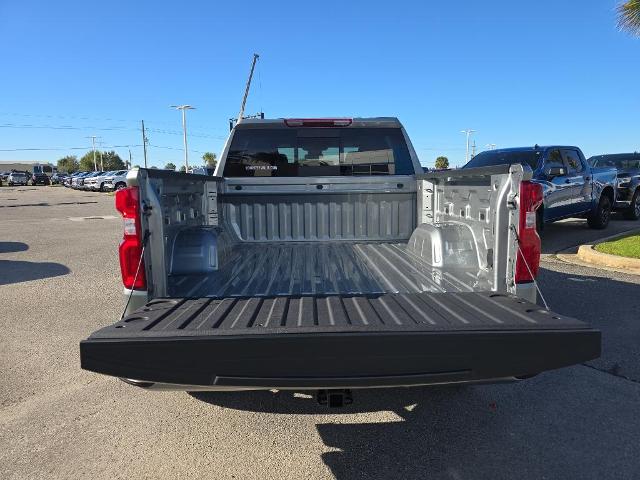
[[519, 73]]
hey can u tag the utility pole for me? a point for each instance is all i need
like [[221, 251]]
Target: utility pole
[[473, 149], [144, 144], [246, 90], [467, 132], [100, 143], [184, 109], [93, 146], [130, 163]]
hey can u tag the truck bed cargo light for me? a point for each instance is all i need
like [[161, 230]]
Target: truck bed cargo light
[[318, 122]]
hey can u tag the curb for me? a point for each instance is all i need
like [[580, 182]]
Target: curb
[[588, 254]]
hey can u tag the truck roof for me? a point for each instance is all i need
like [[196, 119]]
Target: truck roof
[[376, 122], [533, 148]]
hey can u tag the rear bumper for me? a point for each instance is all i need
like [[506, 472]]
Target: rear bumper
[[239, 344]]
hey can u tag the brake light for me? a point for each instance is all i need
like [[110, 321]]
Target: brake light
[[318, 122], [130, 250], [529, 252]]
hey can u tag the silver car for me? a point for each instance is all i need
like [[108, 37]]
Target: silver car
[[17, 178]]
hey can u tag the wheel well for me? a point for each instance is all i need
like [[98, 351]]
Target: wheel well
[[608, 191]]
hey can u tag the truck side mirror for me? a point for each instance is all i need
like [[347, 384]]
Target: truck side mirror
[[555, 171]]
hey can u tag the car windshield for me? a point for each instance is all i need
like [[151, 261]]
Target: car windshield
[[505, 157], [306, 152], [618, 161]]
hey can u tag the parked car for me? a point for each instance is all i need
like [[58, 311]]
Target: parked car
[[571, 187], [100, 183], [325, 258], [4, 176], [628, 191], [92, 182], [83, 184], [17, 178], [76, 182], [116, 180], [40, 178], [58, 178], [69, 180]]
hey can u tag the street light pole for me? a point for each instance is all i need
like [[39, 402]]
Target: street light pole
[[468, 132], [184, 108]]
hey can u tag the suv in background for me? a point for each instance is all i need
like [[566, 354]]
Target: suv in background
[[116, 181], [58, 178], [95, 182], [76, 181], [40, 178], [628, 182]]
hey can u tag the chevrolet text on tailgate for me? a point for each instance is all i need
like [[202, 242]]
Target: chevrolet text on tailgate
[[320, 256]]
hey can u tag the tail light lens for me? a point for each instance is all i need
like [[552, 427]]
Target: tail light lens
[[128, 204], [529, 252]]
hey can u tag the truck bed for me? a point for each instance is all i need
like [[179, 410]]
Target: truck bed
[[330, 268], [337, 341]]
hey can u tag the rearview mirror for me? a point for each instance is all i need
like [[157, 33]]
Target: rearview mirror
[[555, 171]]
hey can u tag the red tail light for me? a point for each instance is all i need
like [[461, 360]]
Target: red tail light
[[530, 200], [318, 122], [128, 204]]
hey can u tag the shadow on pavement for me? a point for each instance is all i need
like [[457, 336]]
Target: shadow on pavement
[[576, 422], [14, 271], [609, 305], [569, 234], [304, 402], [10, 247]]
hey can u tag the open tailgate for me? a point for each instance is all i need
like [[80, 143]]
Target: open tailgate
[[338, 341]]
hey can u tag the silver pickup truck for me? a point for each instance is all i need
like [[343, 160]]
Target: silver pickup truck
[[320, 256]]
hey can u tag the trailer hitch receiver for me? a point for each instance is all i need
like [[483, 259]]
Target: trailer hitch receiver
[[335, 398]]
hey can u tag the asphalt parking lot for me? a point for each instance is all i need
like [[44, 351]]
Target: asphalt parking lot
[[59, 281]]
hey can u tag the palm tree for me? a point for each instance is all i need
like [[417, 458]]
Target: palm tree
[[629, 16]]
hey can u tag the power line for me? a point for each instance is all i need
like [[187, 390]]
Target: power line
[[62, 148], [174, 148], [71, 127]]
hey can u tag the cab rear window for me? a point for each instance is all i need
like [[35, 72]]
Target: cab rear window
[[309, 152]]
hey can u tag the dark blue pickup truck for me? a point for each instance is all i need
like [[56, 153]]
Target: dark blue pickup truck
[[571, 187], [628, 187]]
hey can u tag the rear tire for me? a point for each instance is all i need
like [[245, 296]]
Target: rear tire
[[633, 212], [599, 218]]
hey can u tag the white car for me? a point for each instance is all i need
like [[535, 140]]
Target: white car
[[97, 183], [17, 178], [116, 180]]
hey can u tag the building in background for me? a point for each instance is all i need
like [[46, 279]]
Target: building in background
[[33, 166]]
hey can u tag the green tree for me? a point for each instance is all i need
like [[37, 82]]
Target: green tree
[[183, 169], [86, 162], [111, 161], [629, 16], [170, 166], [68, 164], [210, 159], [442, 163]]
